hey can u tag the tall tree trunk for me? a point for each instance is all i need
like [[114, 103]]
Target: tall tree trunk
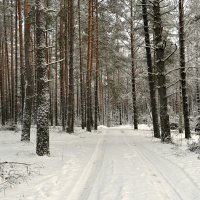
[[97, 69], [2, 84], [197, 92], [81, 70], [7, 66], [135, 114], [159, 51], [183, 70], [197, 74], [16, 65], [12, 66], [66, 55], [89, 67], [22, 84], [42, 146], [70, 118], [48, 60], [107, 98], [62, 80], [28, 70], [152, 85], [180, 104], [56, 79]]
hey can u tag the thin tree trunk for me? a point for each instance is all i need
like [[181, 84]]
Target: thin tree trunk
[[66, 54], [28, 70], [48, 60], [135, 114], [91, 58], [2, 84], [97, 69], [70, 118], [180, 103], [89, 67], [5, 55], [107, 99], [16, 65], [12, 66], [62, 82], [56, 79], [7, 67], [82, 104], [197, 92], [22, 84], [183, 70]]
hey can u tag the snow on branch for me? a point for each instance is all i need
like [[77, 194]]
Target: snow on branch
[[55, 62], [170, 55], [18, 163], [173, 84], [169, 95], [175, 69]]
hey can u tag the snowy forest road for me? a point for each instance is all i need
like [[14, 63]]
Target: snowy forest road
[[125, 166]]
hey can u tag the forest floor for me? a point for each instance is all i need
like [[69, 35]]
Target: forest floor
[[112, 164]]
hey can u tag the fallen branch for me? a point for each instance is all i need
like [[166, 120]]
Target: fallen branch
[[17, 163]]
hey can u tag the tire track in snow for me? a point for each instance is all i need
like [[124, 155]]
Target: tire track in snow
[[163, 187], [179, 184], [118, 178], [83, 186]]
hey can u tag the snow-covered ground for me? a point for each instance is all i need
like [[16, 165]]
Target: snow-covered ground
[[112, 164]]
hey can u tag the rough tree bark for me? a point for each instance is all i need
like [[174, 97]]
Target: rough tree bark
[[12, 65], [16, 65], [81, 70], [183, 70], [197, 73], [21, 41], [197, 92], [89, 67], [7, 65], [2, 84], [48, 4], [152, 85], [160, 65], [42, 146], [61, 72], [56, 79], [70, 117], [97, 69], [28, 70], [135, 114], [66, 54]]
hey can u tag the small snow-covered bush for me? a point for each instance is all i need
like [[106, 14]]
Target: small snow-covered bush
[[9, 128], [194, 147], [12, 173]]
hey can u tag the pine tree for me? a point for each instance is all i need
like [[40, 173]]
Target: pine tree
[[89, 66], [21, 41], [82, 102], [42, 147], [26, 124], [96, 106], [70, 118], [135, 114], [152, 86], [183, 70], [16, 64], [160, 65]]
